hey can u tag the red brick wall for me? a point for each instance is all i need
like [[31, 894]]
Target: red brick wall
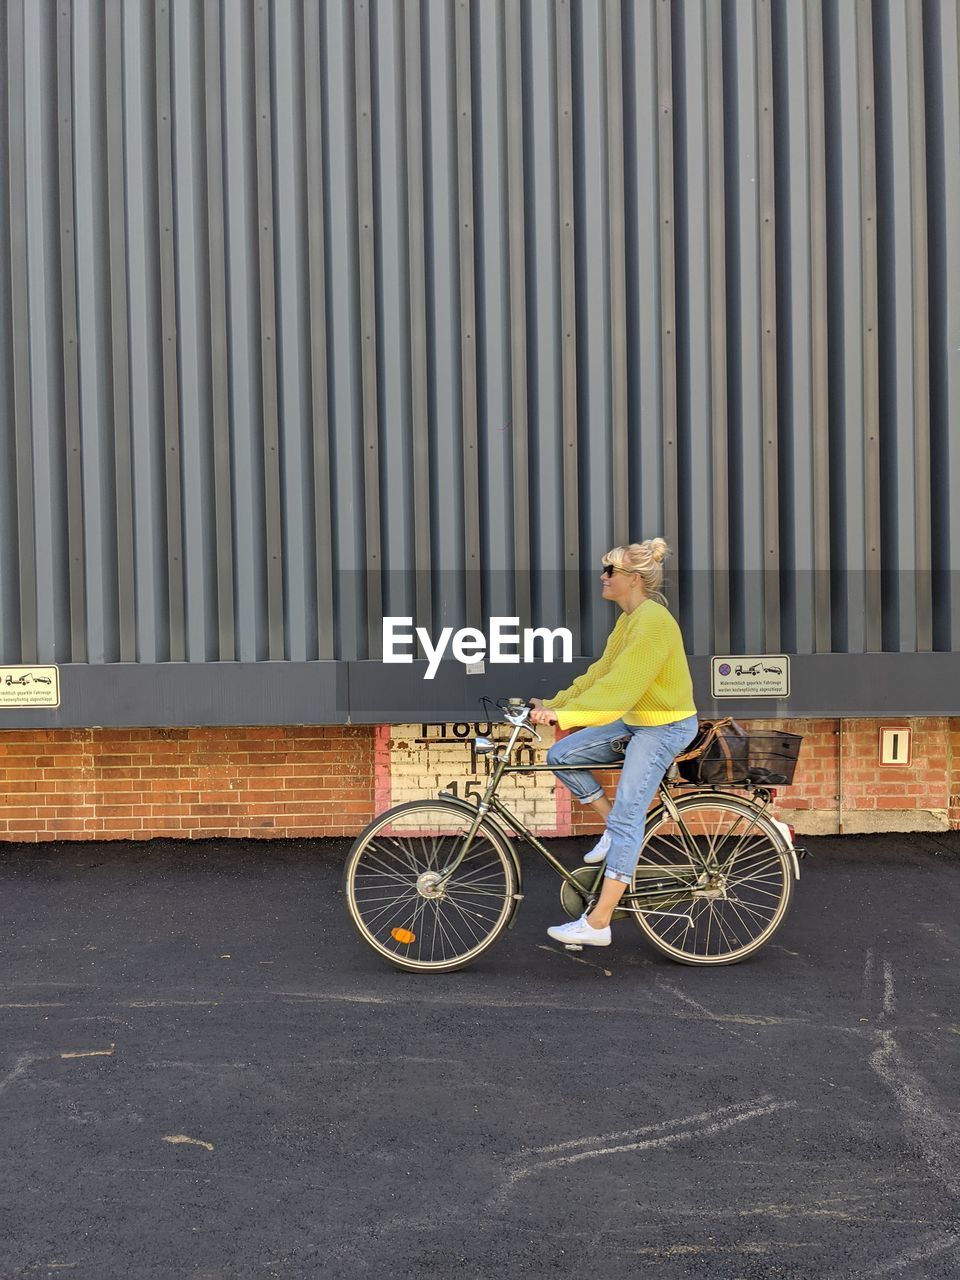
[[925, 783], [815, 782], [131, 784], [930, 784], [82, 784]]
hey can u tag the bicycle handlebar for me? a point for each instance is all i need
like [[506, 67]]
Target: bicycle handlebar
[[515, 711]]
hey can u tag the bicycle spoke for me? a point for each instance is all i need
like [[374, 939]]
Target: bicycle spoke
[[413, 925], [761, 917], [431, 856], [465, 917], [758, 891], [374, 916], [480, 909], [739, 850], [451, 947], [756, 864], [735, 908], [753, 862], [433, 943], [479, 889], [405, 865], [479, 871], [398, 873], [713, 927], [372, 899], [396, 882], [735, 898], [672, 842], [726, 927], [473, 856], [464, 944], [398, 918], [385, 917], [402, 853], [762, 876]]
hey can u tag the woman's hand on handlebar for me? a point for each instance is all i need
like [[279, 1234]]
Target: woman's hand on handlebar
[[541, 714]]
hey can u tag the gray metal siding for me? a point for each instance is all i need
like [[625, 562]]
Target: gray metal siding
[[316, 309]]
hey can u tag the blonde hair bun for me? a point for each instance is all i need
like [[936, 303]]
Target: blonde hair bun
[[644, 558]]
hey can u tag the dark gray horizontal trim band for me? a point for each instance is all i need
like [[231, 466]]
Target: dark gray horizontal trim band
[[240, 693], [848, 684], [168, 694], [823, 684]]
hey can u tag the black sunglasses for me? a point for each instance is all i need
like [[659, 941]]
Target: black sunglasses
[[609, 570]]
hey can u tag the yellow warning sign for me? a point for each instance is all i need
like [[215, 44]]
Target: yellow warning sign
[[29, 687]]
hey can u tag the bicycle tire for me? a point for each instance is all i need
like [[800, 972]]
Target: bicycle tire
[[733, 913], [389, 893]]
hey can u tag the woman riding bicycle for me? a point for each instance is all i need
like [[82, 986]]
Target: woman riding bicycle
[[637, 696]]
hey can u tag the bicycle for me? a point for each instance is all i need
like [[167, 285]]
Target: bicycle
[[431, 884]]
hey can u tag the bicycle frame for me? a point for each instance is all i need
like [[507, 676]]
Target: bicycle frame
[[490, 804]]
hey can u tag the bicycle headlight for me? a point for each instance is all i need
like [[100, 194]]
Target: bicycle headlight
[[482, 746]]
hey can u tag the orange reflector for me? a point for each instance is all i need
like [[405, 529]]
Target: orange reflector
[[403, 935]]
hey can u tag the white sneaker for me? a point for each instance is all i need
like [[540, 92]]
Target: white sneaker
[[600, 850], [579, 933]]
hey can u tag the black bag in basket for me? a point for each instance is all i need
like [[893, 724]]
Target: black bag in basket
[[718, 756]]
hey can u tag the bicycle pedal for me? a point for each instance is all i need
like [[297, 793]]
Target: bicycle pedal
[[573, 946]]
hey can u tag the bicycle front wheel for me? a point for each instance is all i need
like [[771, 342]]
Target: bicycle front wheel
[[725, 910], [399, 902]]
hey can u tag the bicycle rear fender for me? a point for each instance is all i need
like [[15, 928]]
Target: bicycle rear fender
[[783, 835]]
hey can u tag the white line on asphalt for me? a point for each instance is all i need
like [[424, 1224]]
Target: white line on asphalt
[[889, 1002], [935, 1132], [46, 1004], [481, 1002], [19, 1067], [672, 1123], [932, 1249], [667, 1140]]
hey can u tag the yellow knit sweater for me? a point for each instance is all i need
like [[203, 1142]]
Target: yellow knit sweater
[[642, 676]]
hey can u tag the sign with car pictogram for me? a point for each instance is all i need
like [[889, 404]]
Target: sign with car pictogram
[[29, 687], [755, 675]]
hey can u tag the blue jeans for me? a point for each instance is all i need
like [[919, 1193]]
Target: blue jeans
[[647, 752]]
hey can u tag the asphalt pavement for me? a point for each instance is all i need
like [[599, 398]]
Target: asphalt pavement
[[205, 1074]]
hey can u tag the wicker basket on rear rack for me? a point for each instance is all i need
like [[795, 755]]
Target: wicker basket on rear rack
[[725, 754]]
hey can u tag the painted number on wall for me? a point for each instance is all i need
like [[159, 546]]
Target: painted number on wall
[[895, 745], [427, 758]]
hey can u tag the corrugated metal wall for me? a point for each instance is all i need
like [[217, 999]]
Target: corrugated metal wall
[[296, 297]]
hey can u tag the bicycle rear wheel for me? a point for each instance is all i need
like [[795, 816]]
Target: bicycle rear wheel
[[392, 889], [724, 914]]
